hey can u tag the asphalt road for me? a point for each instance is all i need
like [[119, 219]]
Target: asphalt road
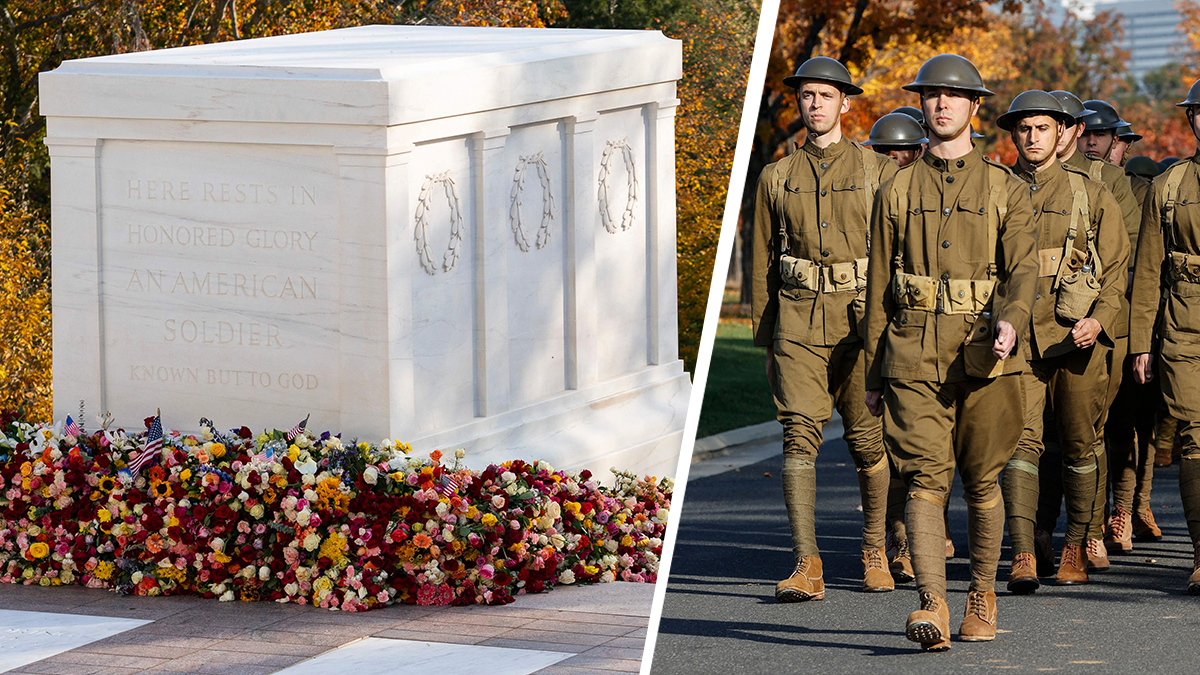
[[720, 615]]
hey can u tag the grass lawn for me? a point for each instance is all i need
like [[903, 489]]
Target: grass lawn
[[737, 394]]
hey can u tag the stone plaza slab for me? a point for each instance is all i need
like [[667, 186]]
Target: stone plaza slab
[[458, 237], [26, 637], [382, 656]]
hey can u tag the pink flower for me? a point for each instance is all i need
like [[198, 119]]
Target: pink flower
[[487, 571]]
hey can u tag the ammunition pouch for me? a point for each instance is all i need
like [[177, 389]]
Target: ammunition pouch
[[1183, 267], [1050, 259], [835, 278], [942, 296]]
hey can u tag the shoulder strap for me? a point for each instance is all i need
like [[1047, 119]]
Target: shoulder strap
[[997, 211], [1096, 171], [776, 190], [1079, 208], [899, 199], [871, 178], [1174, 177]]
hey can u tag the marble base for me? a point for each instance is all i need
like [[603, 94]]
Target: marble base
[[381, 656], [26, 637]]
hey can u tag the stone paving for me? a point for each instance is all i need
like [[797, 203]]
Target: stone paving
[[603, 626]]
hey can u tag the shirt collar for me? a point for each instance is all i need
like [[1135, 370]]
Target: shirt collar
[[957, 165], [832, 150]]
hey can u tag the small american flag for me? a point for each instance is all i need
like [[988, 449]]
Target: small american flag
[[298, 429], [71, 428], [154, 442], [448, 486]]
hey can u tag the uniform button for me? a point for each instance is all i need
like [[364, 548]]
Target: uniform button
[[1039, 296], [946, 211], [1035, 212], [1064, 212], [961, 293], [904, 320], [945, 244], [822, 192], [824, 254], [945, 276], [1033, 187], [824, 224], [960, 164], [949, 179], [824, 165]]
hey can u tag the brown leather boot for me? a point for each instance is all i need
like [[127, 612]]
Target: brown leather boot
[[1097, 556], [1022, 580], [876, 577], [1043, 552], [806, 582], [1194, 580], [1072, 567], [930, 625], [1120, 532], [1144, 527], [979, 621], [901, 565]]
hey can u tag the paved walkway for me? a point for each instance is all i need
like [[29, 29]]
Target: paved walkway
[[600, 629], [720, 616]]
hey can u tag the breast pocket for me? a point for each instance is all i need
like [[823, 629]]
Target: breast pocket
[[905, 335], [971, 228], [1187, 218], [851, 212], [799, 203], [1053, 221]]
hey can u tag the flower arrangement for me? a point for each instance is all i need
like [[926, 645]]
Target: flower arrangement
[[350, 526]]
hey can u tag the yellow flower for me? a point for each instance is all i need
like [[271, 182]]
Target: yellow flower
[[627, 540], [217, 450], [104, 570], [185, 474], [103, 515], [488, 520], [332, 547], [221, 557], [39, 550]]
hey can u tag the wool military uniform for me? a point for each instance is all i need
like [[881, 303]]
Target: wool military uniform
[[1078, 223], [952, 254], [811, 215], [1168, 266]]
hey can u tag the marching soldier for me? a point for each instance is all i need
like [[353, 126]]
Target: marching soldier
[[1141, 170], [1120, 148], [951, 284], [1168, 265], [810, 259], [1083, 255], [1071, 152]]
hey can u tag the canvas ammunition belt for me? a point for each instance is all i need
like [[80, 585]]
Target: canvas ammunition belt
[[835, 278], [943, 296]]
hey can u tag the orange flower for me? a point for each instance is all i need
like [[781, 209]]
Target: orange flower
[[436, 455], [423, 540], [157, 473]]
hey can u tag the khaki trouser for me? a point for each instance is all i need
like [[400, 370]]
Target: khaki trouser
[[809, 381], [1130, 465], [931, 428]]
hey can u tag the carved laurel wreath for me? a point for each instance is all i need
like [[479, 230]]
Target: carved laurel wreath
[[631, 198], [424, 205], [514, 206]]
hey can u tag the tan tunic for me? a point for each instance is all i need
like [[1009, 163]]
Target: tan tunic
[[946, 236], [1051, 195], [824, 203]]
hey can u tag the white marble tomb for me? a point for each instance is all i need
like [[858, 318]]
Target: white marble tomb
[[459, 237]]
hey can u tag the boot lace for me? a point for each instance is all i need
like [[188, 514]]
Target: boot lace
[[902, 550], [930, 602], [802, 565], [1025, 559], [1148, 518], [1070, 555], [1119, 523], [977, 604], [875, 560], [1096, 548]]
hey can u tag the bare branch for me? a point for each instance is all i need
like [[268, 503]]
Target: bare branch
[[34, 23]]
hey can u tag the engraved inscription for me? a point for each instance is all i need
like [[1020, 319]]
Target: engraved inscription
[[232, 193], [233, 284], [221, 377], [224, 333], [220, 237]]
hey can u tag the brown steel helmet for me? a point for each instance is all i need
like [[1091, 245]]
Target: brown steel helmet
[[1193, 96], [1070, 103], [950, 71], [1101, 116], [1033, 102], [1125, 133], [911, 112], [896, 130], [1142, 165], [824, 69]]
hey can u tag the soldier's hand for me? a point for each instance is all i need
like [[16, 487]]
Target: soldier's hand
[[1006, 339], [1143, 365], [770, 363], [875, 401], [1085, 332]]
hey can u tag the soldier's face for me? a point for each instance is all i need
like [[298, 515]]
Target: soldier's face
[[1069, 137], [1096, 144], [821, 106], [1036, 138], [948, 112], [903, 154], [1116, 154]]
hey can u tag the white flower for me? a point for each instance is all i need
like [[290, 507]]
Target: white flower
[[370, 475], [312, 542], [567, 577], [227, 596], [308, 467]]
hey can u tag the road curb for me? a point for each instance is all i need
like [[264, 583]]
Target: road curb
[[717, 444]]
